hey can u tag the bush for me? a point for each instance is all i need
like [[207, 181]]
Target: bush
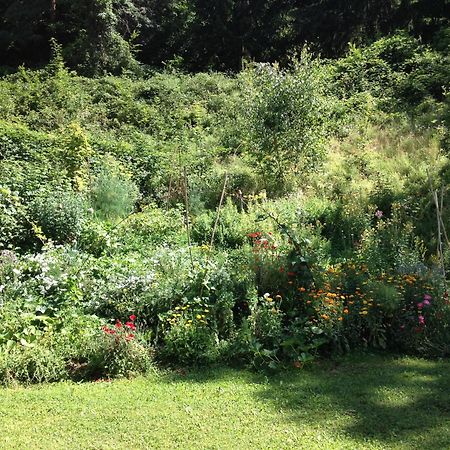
[[36, 364], [232, 228], [391, 243], [113, 194], [13, 225], [60, 215], [117, 352], [152, 226], [285, 113], [189, 336]]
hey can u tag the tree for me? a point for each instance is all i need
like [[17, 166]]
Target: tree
[[98, 34], [285, 117]]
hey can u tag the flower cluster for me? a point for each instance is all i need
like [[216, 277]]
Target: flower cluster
[[262, 241], [195, 313], [121, 330]]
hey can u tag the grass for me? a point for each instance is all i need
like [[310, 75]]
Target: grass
[[359, 402]]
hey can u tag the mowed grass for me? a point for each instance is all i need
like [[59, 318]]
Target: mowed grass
[[359, 402]]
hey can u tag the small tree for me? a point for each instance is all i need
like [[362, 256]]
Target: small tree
[[284, 116]]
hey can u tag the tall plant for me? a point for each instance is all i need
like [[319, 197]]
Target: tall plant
[[285, 116]]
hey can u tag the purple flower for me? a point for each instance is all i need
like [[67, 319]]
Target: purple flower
[[427, 302], [420, 305], [421, 320], [427, 298], [379, 214]]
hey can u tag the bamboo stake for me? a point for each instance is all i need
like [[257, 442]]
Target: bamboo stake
[[440, 248], [441, 217], [186, 211], [216, 222]]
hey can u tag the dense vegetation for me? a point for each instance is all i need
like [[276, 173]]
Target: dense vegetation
[[260, 218]]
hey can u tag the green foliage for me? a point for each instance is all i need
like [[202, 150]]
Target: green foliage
[[75, 154], [392, 243], [117, 353], [13, 227], [153, 226], [31, 365], [98, 44], [232, 227], [313, 252], [190, 338], [60, 215], [113, 194], [284, 117], [394, 69]]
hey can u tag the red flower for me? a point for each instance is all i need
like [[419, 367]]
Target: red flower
[[118, 324], [291, 274], [130, 325], [129, 337], [132, 317], [108, 330]]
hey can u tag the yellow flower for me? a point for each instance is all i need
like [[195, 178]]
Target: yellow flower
[[198, 316]]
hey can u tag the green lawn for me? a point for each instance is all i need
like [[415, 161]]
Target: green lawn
[[363, 402]]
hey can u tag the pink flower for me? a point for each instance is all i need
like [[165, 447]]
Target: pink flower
[[132, 317], [426, 302], [420, 305], [421, 320], [379, 214]]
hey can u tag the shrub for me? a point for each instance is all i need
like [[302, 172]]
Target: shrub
[[117, 352], [152, 226], [391, 243], [59, 214], [113, 194], [14, 228], [285, 112], [36, 364], [231, 230], [190, 337]]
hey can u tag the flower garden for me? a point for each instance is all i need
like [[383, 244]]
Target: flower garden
[[271, 225]]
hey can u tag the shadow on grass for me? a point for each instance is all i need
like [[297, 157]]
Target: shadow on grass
[[395, 401], [399, 401]]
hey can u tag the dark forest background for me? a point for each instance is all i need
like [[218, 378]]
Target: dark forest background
[[101, 36]]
